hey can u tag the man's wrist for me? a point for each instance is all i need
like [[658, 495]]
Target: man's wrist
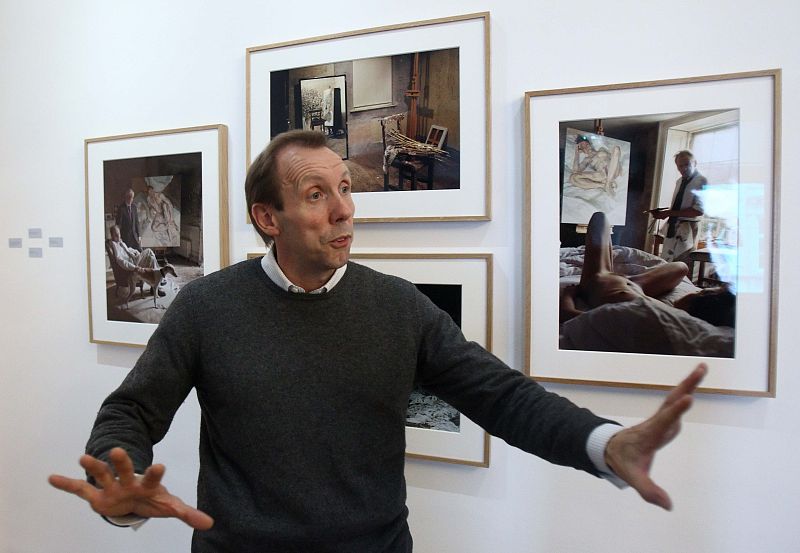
[[596, 447]]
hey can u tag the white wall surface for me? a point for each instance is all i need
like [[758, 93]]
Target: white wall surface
[[80, 69]]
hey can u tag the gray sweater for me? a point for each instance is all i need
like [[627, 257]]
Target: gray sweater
[[303, 401]]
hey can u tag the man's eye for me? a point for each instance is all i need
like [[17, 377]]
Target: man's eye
[[315, 195], [345, 188]]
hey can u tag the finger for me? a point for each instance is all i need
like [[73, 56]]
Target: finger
[[152, 476], [81, 488], [98, 470], [122, 465], [666, 422], [196, 519], [688, 385], [652, 493]]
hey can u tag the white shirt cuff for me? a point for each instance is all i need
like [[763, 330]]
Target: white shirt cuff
[[596, 449], [128, 521]]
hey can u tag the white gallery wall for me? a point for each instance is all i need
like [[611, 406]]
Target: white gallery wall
[[81, 69]]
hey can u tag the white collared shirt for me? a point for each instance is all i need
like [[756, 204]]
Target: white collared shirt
[[270, 265]]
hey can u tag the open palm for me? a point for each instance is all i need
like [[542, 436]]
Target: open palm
[[127, 493]]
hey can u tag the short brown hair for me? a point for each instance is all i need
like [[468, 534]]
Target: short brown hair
[[687, 153], [714, 305], [262, 185]]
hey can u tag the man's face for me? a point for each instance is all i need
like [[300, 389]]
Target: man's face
[[584, 147], [129, 197], [114, 234], [314, 231], [685, 165]]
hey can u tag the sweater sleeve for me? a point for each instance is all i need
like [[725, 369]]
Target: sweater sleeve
[[503, 401], [138, 414]]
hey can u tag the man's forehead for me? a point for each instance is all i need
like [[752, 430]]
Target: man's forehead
[[297, 162], [299, 152]]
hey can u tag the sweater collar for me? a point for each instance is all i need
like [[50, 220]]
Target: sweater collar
[[276, 275]]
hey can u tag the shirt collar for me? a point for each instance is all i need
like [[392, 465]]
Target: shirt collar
[[270, 265]]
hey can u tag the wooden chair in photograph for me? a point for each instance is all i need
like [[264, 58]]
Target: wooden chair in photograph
[[414, 160], [316, 119]]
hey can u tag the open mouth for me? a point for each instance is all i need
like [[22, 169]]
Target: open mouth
[[341, 241]]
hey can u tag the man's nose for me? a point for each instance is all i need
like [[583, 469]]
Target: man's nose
[[342, 207]]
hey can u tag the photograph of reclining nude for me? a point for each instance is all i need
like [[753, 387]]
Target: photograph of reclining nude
[[153, 233], [395, 120], [665, 281]]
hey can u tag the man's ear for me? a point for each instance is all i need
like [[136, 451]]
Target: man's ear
[[263, 216]]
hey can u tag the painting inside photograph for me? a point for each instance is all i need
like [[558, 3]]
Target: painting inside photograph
[[394, 119], [153, 216], [662, 193], [595, 177]]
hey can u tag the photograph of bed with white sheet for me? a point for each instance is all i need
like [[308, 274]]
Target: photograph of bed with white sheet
[[644, 324]]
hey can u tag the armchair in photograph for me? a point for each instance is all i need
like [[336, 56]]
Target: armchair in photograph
[[123, 278]]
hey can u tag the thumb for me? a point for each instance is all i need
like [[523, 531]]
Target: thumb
[[652, 493], [195, 518]]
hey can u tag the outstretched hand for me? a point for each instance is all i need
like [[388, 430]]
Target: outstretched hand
[[631, 451], [127, 493]]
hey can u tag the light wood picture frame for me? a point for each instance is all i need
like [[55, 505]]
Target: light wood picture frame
[[588, 349], [420, 74], [178, 182]]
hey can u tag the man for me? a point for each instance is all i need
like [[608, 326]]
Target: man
[[644, 324], [303, 365], [137, 261], [142, 263], [127, 220], [683, 216], [600, 285]]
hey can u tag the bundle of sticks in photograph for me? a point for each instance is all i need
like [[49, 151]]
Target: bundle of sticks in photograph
[[398, 143]]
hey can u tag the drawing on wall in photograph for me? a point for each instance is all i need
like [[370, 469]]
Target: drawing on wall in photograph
[[407, 106], [426, 410], [156, 220], [677, 266], [159, 208], [402, 132], [595, 177]]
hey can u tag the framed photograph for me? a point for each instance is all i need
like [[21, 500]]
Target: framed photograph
[[651, 232], [406, 106], [156, 218], [460, 284]]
